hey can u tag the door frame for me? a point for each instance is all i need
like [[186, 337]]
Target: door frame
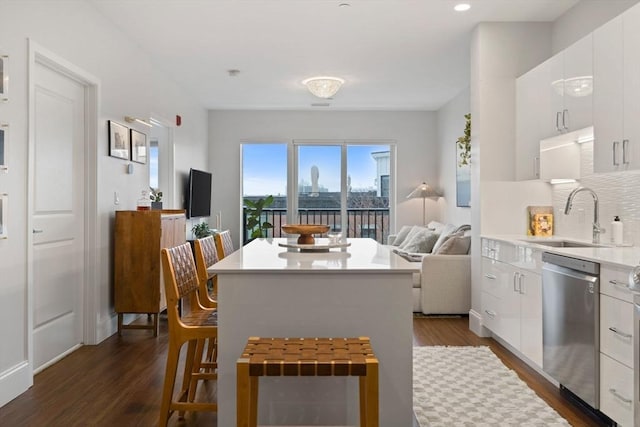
[[40, 55]]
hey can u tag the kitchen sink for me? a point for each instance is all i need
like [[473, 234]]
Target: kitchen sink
[[565, 244]]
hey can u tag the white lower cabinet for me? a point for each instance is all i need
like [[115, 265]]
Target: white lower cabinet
[[512, 306], [616, 391], [616, 329]]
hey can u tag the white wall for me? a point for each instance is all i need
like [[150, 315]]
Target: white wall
[[129, 85], [583, 18], [414, 133], [451, 124]]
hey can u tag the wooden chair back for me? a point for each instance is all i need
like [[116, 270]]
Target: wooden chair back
[[224, 244], [181, 279], [206, 255]]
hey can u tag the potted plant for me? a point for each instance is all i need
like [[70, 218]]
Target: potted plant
[[464, 143], [201, 230], [255, 226], [156, 198]]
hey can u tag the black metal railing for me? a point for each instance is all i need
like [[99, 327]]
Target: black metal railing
[[361, 222]]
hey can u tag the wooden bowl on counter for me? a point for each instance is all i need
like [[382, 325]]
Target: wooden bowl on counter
[[306, 231]]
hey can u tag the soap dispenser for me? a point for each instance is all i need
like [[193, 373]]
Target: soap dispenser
[[616, 231]]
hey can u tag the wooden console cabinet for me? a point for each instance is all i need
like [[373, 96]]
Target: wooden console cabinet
[[138, 282]]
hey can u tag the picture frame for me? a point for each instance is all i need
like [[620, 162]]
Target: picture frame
[[118, 140], [139, 147], [4, 144], [4, 76], [4, 214]]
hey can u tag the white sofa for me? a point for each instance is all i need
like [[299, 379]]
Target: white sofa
[[444, 284]]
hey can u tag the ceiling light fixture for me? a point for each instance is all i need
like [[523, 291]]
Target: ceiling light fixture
[[130, 119], [323, 86], [462, 7]]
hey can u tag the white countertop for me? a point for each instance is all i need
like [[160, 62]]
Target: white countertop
[[265, 255], [617, 255]]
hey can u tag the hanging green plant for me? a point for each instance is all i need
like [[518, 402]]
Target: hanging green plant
[[464, 143]]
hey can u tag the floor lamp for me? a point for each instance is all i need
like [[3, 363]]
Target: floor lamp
[[423, 191]]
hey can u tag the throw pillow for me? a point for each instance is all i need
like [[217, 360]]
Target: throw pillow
[[436, 226], [412, 232], [421, 242], [456, 244], [402, 235], [446, 232]]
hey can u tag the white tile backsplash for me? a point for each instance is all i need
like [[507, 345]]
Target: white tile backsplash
[[618, 194]]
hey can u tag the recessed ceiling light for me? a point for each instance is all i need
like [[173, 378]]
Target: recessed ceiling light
[[462, 7]]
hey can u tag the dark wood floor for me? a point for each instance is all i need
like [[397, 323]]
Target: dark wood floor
[[118, 382]]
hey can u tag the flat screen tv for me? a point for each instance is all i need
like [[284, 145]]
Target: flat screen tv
[[198, 200]]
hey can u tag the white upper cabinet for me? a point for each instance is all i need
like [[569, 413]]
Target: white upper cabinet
[[576, 110], [553, 98], [616, 101]]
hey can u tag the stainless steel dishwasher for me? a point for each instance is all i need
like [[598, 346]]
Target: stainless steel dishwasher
[[571, 325]]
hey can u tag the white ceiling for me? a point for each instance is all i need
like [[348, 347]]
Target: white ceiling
[[393, 54]]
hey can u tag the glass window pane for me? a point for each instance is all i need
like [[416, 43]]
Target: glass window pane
[[319, 184], [368, 170], [264, 173], [153, 163]]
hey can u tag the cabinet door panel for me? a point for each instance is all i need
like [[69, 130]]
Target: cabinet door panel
[[616, 329], [608, 95], [531, 317], [510, 307], [578, 66], [616, 390], [631, 77]]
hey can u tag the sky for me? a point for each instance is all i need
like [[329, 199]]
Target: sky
[[265, 167]]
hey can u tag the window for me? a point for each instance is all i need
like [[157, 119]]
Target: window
[[346, 185]]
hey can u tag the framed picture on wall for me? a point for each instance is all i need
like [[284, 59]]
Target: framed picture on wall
[[118, 140], [4, 142], [138, 146], [4, 214], [4, 77]]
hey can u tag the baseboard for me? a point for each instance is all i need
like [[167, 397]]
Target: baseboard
[[15, 381], [476, 326], [107, 326]]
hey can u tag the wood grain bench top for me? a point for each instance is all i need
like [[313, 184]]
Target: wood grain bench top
[[308, 356]]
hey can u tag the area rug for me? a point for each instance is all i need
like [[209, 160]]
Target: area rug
[[470, 386]]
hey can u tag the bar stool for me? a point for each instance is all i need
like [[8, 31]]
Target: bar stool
[[306, 357]]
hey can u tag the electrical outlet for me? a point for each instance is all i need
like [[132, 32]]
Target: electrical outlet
[[116, 198]]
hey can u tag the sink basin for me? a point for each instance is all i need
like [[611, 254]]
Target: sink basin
[[565, 244]]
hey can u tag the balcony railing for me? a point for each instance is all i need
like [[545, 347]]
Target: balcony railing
[[367, 222]]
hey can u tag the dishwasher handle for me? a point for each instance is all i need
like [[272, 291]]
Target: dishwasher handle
[[578, 275]]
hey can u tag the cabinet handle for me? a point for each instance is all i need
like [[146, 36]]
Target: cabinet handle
[[622, 334], [491, 313], [558, 121], [619, 396], [623, 285], [565, 119], [625, 144], [615, 153], [521, 283], [490, 276], [516, 282], [536, 167]]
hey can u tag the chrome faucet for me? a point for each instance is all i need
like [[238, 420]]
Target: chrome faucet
[[597, 230]]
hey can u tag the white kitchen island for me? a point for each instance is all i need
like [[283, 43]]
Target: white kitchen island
[[271, 291]]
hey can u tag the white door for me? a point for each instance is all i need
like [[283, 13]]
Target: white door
[[58, 215]]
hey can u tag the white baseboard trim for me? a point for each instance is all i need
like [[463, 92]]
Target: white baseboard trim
[[107, 326], [525, 359], [15, 381], [476, 326]]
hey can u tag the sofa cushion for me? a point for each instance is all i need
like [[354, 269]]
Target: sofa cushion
[[455, 244], [402, 235], [412, 232], [420, 242], [436, 226], [446, 232]]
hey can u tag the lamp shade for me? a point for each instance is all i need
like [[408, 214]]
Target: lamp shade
[[323, 86], [422, 191]]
